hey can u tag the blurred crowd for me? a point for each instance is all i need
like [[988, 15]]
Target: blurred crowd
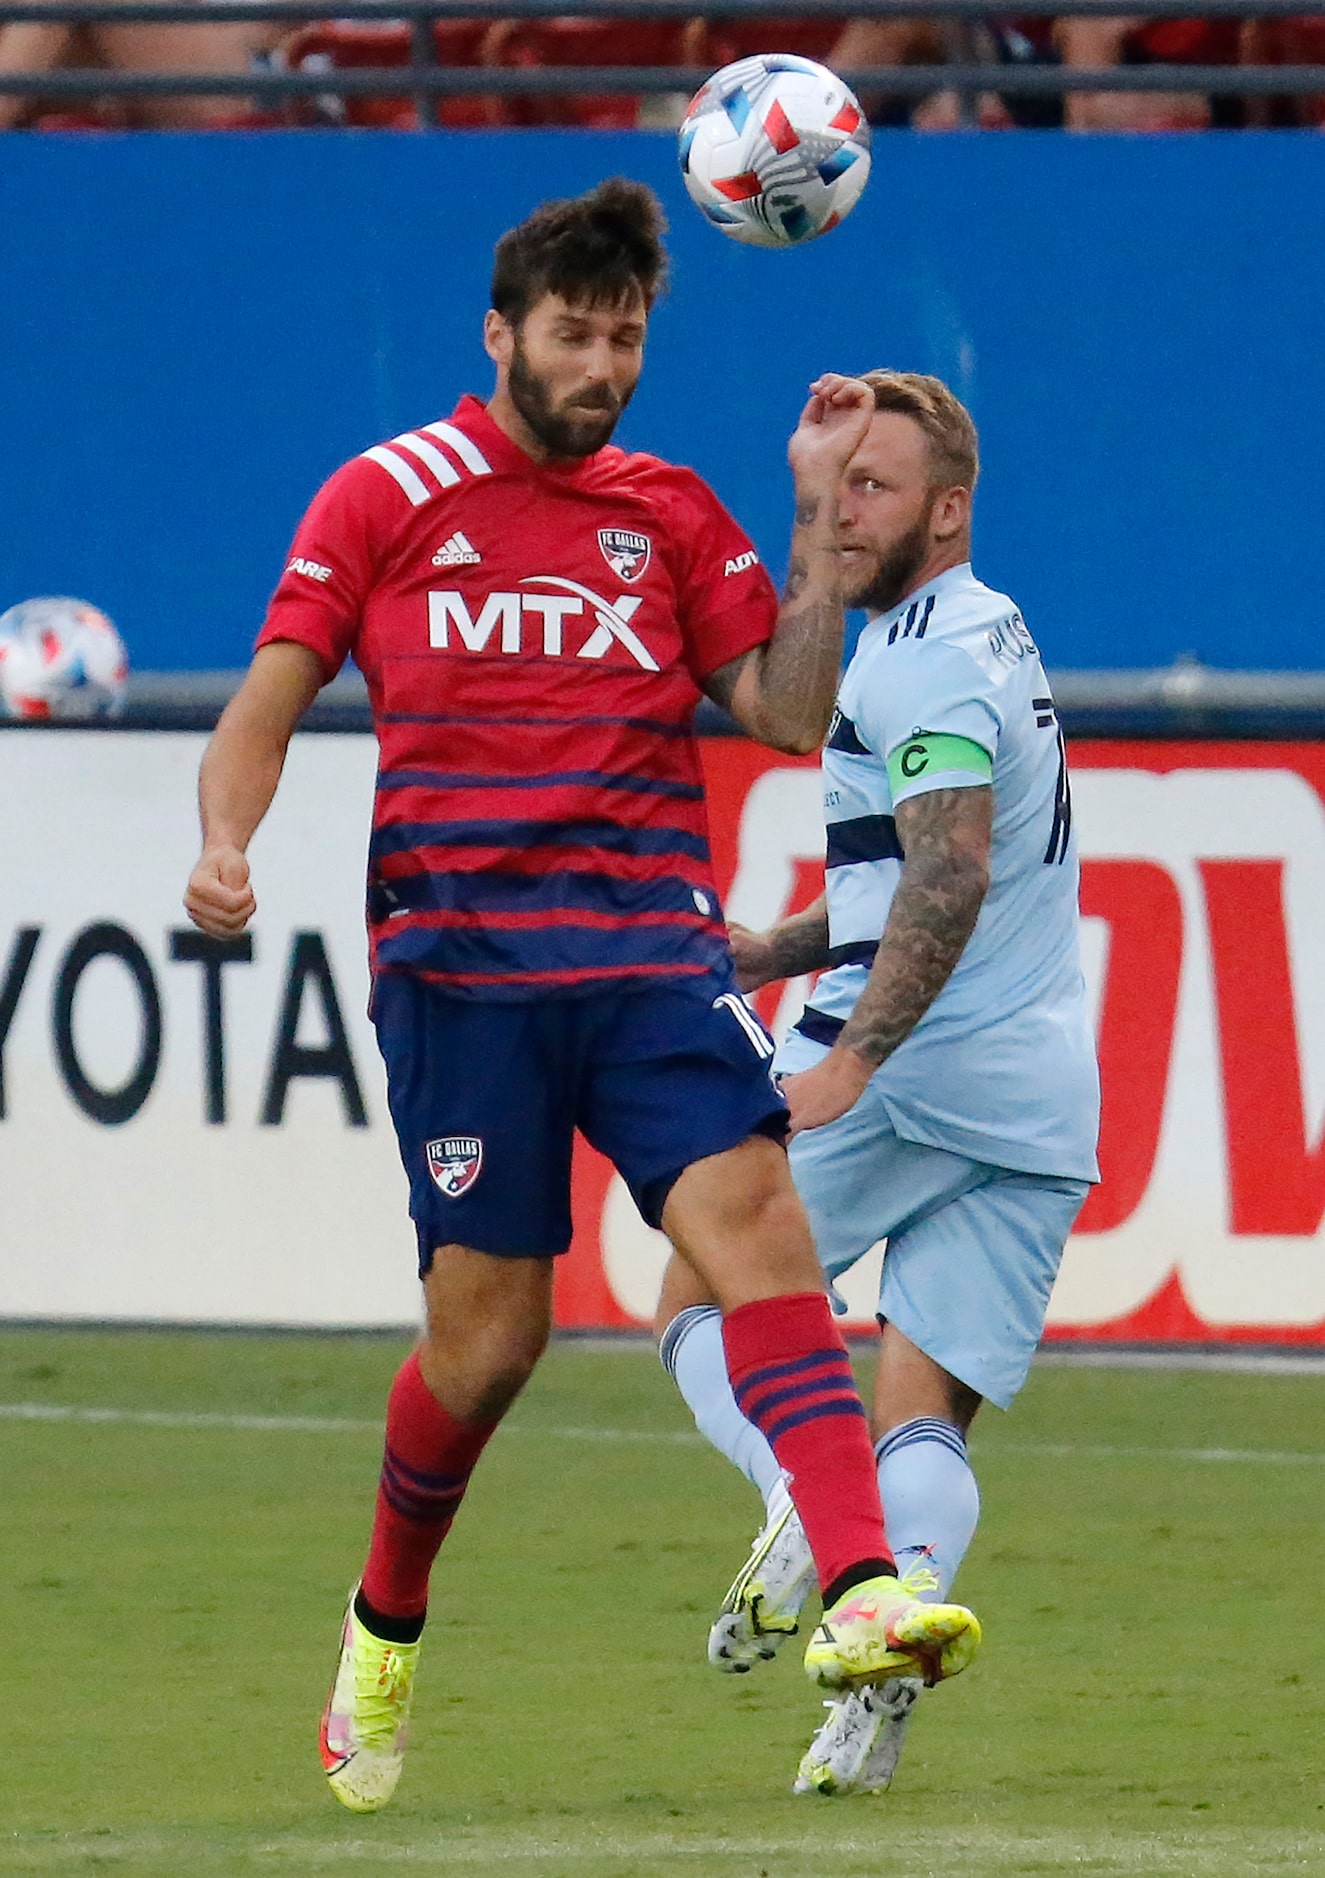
[[844, 43]]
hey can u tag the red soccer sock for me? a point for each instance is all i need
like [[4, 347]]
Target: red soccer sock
[[789, 1370], [429, 1458]]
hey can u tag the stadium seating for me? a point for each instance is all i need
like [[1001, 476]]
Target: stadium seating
[[348, 45], [1298, 40], [812, 37], [573, 41], [566, 41]]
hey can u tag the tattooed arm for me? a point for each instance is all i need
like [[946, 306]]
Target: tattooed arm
[[796, 944], [782, 692], [944, 836]]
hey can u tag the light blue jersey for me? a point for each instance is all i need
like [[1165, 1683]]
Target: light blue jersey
[[1001, 1068]]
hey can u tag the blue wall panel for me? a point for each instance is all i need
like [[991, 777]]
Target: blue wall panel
[[194, 331]]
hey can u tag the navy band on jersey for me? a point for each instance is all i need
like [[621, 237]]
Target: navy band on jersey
[[486, 1097]]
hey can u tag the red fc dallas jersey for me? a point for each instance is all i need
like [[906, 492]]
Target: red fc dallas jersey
[[534, 640]]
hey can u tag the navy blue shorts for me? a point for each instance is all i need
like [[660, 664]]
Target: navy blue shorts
[[486, 1098]]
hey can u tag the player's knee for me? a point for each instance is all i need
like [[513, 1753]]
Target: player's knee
[[479, 1369], [771, 1214], [768, 1249], [750, 1191], [491, 1396]]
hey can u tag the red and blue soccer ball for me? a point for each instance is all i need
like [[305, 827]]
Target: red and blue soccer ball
[[60, 659], [775, 150]]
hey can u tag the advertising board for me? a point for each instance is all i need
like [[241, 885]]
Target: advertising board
[[199, 1134]]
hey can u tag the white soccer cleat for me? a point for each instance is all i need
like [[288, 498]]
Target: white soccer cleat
[[763, 1607], [858, 1747], [365, 1721]]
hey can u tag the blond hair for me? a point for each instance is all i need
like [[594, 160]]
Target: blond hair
[[954, 448]]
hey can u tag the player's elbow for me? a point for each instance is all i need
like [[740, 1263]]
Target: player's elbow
[[806, 741], [792, 735], [792, 728]]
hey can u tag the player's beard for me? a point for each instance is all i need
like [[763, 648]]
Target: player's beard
[[894, 573], [577, 426]]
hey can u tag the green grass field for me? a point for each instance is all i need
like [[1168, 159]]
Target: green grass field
[[1149, 1700]]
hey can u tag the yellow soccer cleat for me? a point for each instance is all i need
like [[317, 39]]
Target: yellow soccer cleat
[[880, 1629], [364, 1724]]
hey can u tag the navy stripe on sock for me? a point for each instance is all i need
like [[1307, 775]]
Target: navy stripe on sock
[[420, 1510], [424, 1499], [799, 1392], [777, 1372], [428, 1483], [923, 1428], [813, 1412], [679, 1329]]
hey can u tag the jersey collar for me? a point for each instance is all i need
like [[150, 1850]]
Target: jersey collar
[[471, 416], [950, 577]]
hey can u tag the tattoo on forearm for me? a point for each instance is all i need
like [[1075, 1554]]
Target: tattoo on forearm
[[801, 664], [796, 671], [800, 944], [945, 838]]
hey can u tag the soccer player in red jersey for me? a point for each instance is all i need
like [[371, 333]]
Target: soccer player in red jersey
[[536, 614]]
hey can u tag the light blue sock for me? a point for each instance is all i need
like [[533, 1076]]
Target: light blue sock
[[930, 1500], [693, 1356]]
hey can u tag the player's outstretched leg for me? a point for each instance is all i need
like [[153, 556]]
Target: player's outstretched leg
[[932, 1505], [791, 1378], [763, 1606], [736, 1218]]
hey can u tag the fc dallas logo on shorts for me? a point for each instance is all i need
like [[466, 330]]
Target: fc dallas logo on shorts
[[626, 553], [454, 1162]]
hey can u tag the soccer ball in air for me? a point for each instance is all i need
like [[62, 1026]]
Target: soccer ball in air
[[60, 659], [775, 150]]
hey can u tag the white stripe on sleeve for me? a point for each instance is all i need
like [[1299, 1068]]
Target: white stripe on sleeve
[[441, 466], [399, 470], [465, 448]]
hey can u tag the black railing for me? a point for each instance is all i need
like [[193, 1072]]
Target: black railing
[[427, 80], [1184, 700]]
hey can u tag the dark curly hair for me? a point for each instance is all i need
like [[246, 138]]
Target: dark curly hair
[[598, 249]]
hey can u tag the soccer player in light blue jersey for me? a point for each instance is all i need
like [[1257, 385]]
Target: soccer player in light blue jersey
[[942, 1081]]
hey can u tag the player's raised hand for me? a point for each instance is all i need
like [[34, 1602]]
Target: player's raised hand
[[219, 897], [832, 426]]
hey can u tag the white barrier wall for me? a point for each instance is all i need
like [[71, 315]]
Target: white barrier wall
[[290, 1209], [191, 1138]]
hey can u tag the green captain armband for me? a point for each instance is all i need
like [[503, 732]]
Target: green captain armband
[[932, 753]]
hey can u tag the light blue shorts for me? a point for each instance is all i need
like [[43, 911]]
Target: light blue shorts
[[973, 1250]]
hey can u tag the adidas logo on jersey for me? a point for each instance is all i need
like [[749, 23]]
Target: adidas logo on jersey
[[459, 551]]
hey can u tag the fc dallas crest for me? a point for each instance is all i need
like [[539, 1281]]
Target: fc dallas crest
[[454, 1162], [626, 553]]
